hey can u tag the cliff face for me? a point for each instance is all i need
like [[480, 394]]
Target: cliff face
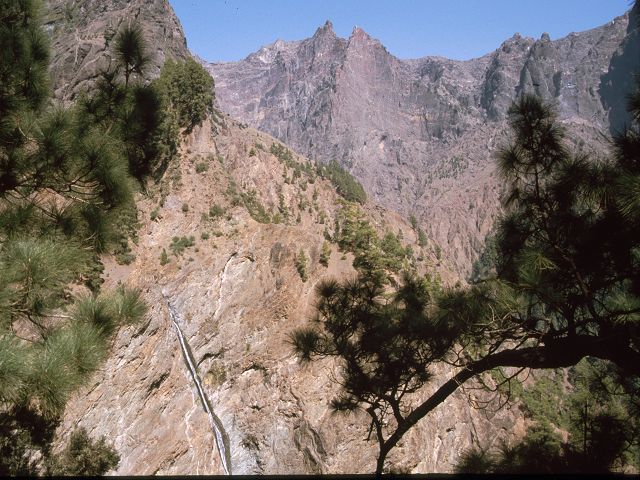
[[80, 32], [236, 296], [221, 312], [420, 134]]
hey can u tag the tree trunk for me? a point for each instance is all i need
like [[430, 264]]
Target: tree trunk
[[559, 354]]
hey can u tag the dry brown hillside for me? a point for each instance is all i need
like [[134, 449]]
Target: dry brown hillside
[[236, 294]]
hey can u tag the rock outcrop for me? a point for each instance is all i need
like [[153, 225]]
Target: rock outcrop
[[80, 32], [420, 134]]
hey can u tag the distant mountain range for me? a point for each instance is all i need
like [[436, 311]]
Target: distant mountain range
[[420, 134]]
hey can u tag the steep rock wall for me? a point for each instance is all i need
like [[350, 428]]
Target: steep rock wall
[[421, 134]]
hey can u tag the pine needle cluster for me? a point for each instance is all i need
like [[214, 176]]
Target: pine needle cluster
[[66, 174]]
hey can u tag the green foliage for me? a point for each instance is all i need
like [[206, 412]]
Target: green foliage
[[603, 416], [185, 207], [254, 207], [48, 371], [235, 198], [301, 265], [566, 287], [110, 311], [34, 273], [187, 90], [414, 222], [346, 185], [393, 249], [61, 364], [83, 456], [284, 155], [599, 417], [325, 255], [546, 399], [23, 73], [282, 208], [180, 244], [358, 318], [484, 266], [23, 432], [374, 256], [66, 181], [123, 253], [451, 168], [14, 368], [130, 110], [216, 211], [164, 258], [423, 241], [201, 167], [538, 453], [131, 51]]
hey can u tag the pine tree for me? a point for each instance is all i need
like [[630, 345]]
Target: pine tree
[[566, 286], [129, 108], [82, 456], [188, 92], [301, 265], [325, 255], [64, 177]]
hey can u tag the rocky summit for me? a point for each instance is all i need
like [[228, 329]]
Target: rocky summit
[[420, 134]]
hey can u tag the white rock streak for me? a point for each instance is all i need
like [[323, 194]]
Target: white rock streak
[[222, 440]]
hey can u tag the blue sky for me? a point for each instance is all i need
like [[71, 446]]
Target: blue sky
[[225, 30]]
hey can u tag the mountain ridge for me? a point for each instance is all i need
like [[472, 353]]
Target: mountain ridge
[[394, 123]]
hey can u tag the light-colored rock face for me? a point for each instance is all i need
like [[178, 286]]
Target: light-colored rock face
[[237, 296], [80, 32], [421, 134]]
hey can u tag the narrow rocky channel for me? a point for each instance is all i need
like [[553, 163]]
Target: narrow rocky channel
[[221, 437]]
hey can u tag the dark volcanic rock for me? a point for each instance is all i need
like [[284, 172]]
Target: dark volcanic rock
[[503, 76], [619, 79]]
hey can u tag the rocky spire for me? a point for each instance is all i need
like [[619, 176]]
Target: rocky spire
[[325, 30]]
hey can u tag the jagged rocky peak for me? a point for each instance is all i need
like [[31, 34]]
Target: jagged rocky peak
[[359, 37], [430, 112], [325, 30], [517, 42], [502, 76], [266, 54], [324, 42], [323, 39]]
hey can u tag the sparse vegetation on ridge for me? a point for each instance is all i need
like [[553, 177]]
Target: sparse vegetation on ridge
[[345, 184], [301, 265]]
